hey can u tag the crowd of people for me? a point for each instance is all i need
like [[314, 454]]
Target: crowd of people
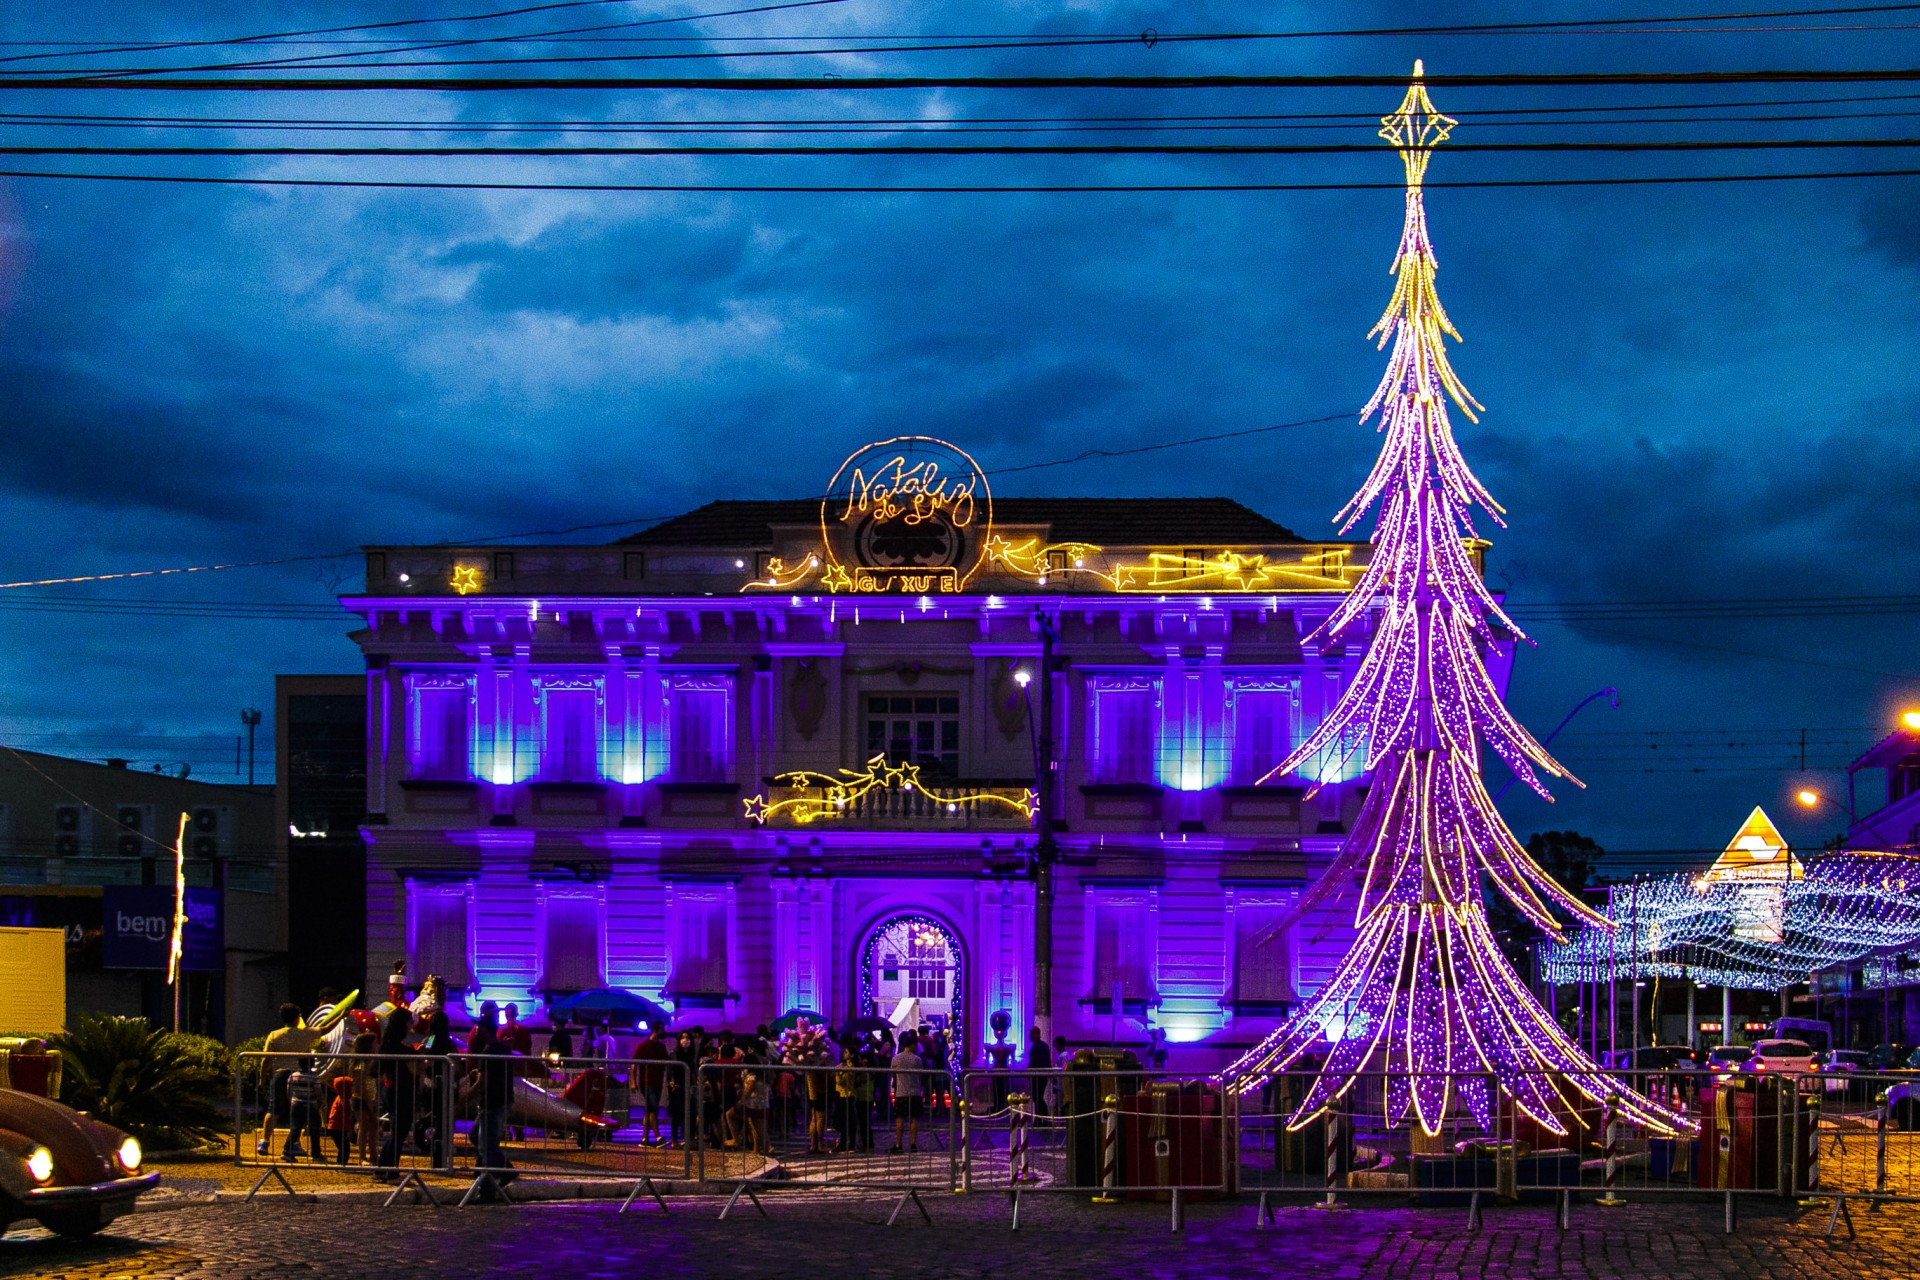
[[738, 1091]]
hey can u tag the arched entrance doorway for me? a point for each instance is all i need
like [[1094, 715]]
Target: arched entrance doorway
[[914, 957]]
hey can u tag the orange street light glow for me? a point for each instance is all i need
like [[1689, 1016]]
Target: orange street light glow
[[1911, 719], [1809, 798]]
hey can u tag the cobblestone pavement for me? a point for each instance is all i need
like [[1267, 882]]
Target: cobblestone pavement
[[819, 1235]]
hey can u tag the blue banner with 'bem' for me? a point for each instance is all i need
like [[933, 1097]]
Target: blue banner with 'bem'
[[137, 921]]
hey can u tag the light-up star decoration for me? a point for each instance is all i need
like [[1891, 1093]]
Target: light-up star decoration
[[465, 580], [827, 796], [1424, 995]]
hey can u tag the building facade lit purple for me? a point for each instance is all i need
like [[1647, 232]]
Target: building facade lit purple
[[784, 755]]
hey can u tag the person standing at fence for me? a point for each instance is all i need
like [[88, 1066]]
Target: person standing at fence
[[909, 1094], [288, 1040], [728, 1059], [436, 1042], [303, 1112], [515, 1033], [1040, 1062], [843, 1085], [366, 1094], [686, 1056], [861, 1111], [493, 1089], [340, 1114], [650, 1080], [398, 1077], [601, 1045], [559, 1042]]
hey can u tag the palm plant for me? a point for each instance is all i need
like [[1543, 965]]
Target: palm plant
[[164, 1088]]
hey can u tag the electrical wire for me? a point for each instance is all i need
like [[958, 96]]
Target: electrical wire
[[920, 44], [845, 84], [395, 24], [963, 149], [1050, 188], [1481, 117]]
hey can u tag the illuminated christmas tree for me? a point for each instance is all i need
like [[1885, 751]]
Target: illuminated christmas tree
[[1424, 994]]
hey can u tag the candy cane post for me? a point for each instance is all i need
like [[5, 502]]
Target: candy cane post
[[1018, 1115], [1109, 1153], [1330, 1125], [966, 1145], [1610, 1125], [1880, 1146], [1813, 1101]]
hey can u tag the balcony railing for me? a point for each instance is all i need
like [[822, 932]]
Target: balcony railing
[[958, 806]]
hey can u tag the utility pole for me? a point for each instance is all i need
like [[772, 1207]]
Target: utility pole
[[251, 719], [1046, 851]]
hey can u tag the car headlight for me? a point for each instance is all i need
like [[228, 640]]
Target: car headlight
[[40, 1165], [129, 1154]]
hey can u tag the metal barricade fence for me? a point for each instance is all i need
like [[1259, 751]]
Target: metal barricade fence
[[821, 1125], [589, 1119], [1373, 1141], [399, 1117], [1858, 1135], [390, 1115], [1108, 1134]]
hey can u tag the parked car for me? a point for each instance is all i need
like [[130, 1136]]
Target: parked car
[[1789, 1057], [1725, 1059], [68, 1171], [1839, 1066]]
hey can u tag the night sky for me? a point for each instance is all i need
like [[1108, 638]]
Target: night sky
[[1693, 391]]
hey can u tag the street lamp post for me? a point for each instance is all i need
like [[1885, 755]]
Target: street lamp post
[[1046, 850], [1811, 798]]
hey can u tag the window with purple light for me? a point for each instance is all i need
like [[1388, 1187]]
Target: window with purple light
[[1122, 735], [439, 938], [1262, 727], [571, 947], [700, 728], [1262, 957], [699, 945], [439, 726], [1123, 948], [570, 729]]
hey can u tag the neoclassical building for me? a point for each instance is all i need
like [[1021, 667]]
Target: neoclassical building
[[812, 754]]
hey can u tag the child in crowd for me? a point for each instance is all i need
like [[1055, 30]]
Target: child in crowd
[[303, 1112]]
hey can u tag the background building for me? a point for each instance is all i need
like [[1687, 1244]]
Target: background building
[[778, 755], [88, 848], [320, 801]]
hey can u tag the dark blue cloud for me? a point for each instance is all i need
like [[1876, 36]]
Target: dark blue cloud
[[1691, 392]]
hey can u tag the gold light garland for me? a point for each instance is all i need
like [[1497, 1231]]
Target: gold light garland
[[839, 793]]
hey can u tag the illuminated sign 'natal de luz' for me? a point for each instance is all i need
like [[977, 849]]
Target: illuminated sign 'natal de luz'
[[914, 515], [1424, 994]]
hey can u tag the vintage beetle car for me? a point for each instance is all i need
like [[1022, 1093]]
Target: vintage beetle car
[[72, 1173]]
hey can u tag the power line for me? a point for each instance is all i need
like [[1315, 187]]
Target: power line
[[1132, 188], [844, 84], [1148, 38], [267, 37], [1478, 116], [967, 149], [681, 128]]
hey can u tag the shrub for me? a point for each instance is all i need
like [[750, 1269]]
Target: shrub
[[253, 1071], [165, 1089]]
